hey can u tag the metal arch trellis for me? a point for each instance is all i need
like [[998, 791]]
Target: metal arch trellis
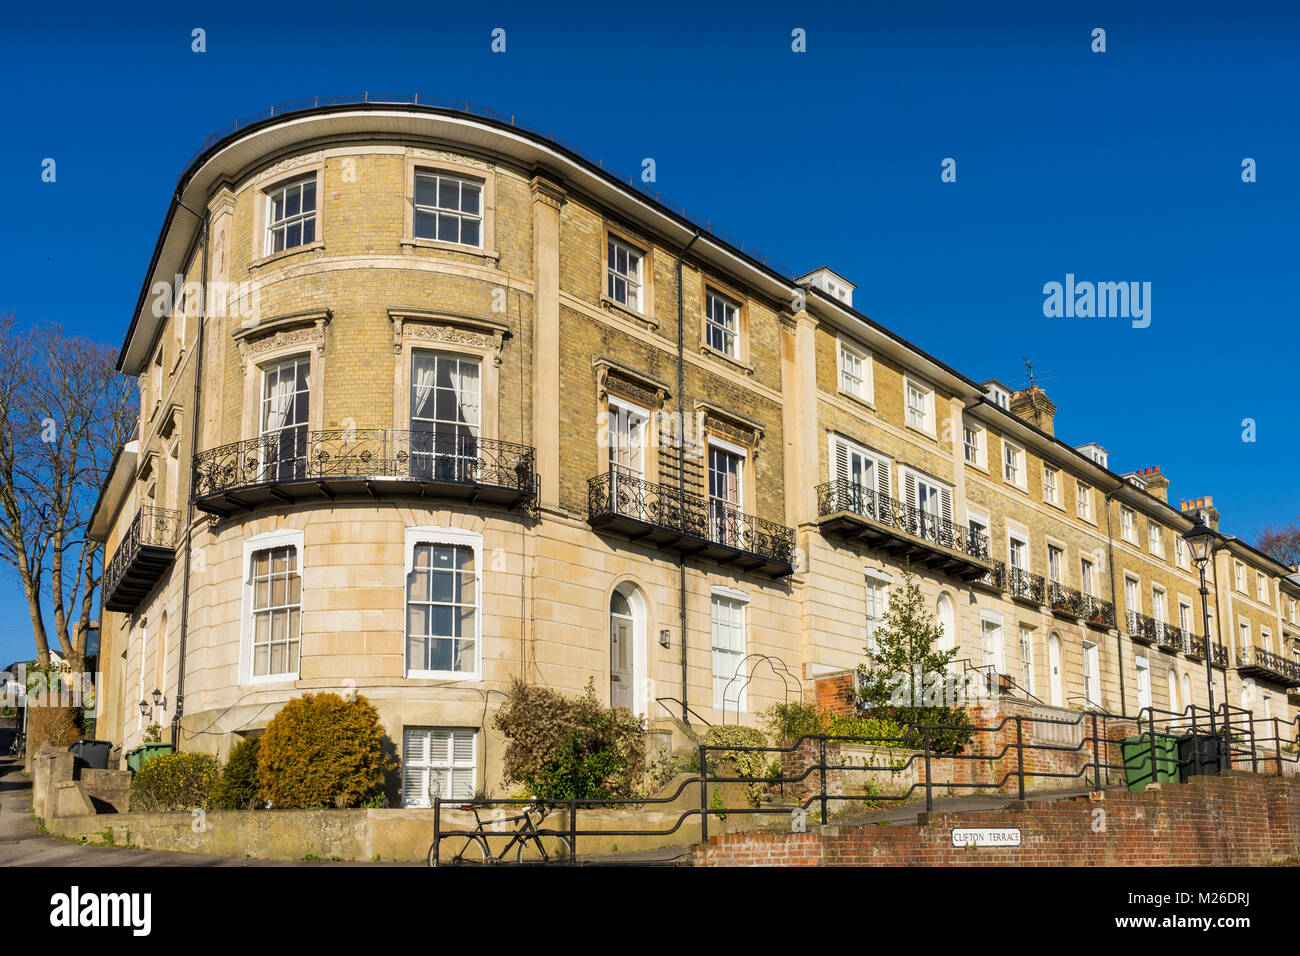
[[782, 671]]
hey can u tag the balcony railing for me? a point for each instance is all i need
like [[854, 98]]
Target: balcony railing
[[1265, 665], [858, 512], [142, 556], [1144, 629], [668, 517], [1194, 647], [1220, 655], [995, 579], [1170, 638], [297, 464], [1065, 601], [1024, 586], [1098, 613]]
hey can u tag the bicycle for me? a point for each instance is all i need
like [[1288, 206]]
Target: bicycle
[[476, 849]]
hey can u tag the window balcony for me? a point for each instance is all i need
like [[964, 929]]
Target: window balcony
[[1143, 629], [287, 468], [858, 513], [1098, 613], [1064, 601], [1194, 647], [1023, 586], [1266, 666], [141, 559], [666, 517]]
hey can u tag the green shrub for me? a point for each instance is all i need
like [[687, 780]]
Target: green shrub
[[237, 789], [321, 750], [181, 781], [949, 741], [788, 722], [561, 747], [754, 764]]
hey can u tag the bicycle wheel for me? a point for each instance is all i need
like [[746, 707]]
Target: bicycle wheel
[[475, 850], [535, 841]]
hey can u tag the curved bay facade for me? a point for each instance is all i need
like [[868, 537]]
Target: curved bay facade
[[429, 404]]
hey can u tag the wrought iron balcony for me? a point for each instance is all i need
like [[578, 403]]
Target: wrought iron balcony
[[1065, 601], [142, 556], [1023, 586], [667, 517], [298, 465], [994, 579], [1220, 655], [1194, 647], [1143, 629], [1098, 613], [858, 513], [1266, 666], [1170, 638]]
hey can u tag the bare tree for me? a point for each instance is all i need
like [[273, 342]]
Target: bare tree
[[65, 411], [1282, 544]]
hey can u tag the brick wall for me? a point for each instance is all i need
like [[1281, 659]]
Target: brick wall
[[1230, 820]]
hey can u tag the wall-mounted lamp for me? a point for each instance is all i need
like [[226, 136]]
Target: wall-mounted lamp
[[665, 638], [159, 700], [144, 708]]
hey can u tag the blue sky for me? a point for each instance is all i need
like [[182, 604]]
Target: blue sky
[[1115, 166]]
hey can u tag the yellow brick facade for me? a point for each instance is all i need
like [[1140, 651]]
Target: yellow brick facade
[[532, 306]]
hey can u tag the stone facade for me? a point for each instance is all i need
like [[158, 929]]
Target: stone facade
[[531, 306]]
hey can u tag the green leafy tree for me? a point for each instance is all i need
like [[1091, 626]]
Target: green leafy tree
[[905, 677], [905, 667]]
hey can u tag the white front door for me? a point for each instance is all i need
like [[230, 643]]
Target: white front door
[[1092, 673]]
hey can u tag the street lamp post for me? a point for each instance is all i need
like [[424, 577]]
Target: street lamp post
[[1201, 540]]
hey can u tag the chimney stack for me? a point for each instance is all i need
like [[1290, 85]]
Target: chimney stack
[[1035, 407], [1194, 507], [1157, 485]]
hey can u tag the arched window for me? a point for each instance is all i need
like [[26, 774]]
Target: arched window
[[1054, 670], [948, 640], [1173, 691]]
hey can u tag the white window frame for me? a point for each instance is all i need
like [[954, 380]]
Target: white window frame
[[635, 284], [1014, 472], [454, 537], [1261, 588], [1142, 666], [272, 225], [1155, 539], [1087, 578], [1180, 551], [1239, 576], [1091, 671], [452, 764], [618, 408], [1027, 657], [1083, 507], [881, 580], [998, 640], [1051, 476], [730, 310], [1059, 577], [980, 448], [287, 538], [440, 211], [910, 385], [742, 599], [1022, 536], [1243, 633], [1128, 524], [866, 390]]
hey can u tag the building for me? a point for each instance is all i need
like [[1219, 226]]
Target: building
[[429, 403]]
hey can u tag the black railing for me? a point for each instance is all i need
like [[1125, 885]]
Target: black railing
[[1025, 586], [843, 495], [1098, 612], [1015, 749], [995, 578], [1220, 655], [620, 493], [1144, 629], [1065, 600], [352, 453], [1170, 638], [1268, 665], [1194, 647], [152, 527]]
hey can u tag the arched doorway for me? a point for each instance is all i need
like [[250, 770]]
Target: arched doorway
[[1054, 668], [627, 629]]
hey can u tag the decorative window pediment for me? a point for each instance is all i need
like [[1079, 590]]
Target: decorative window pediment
[[448, 328]]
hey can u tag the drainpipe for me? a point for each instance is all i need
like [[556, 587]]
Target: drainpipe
[[1114, 600], [189, 507], [681, 473]]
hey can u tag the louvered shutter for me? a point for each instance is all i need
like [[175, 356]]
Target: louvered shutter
[[839, 459], [883, 489], [945, 503], [414, 768]]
